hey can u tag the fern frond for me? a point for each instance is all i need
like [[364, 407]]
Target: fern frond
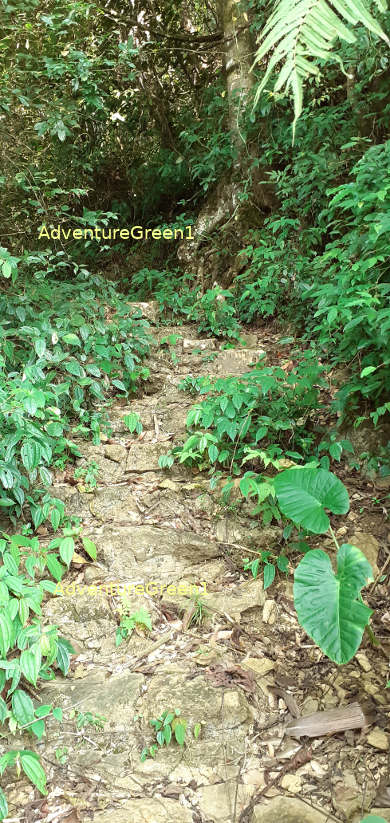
[[300, 30]]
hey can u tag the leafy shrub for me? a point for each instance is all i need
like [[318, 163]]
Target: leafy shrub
[[129, 620], [28, 649], [351, 285], [174, 292], [214, 313], [57, 368], [168, 727], [261, 415], [266, 286]]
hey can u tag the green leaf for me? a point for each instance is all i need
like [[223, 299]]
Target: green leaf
[[327, 604], [269, 575], [54, 566], [167, 732], [54, 429], [3, 805], [71, 339], [31, 453], [63, 656], [368, 370], [133, 422], [73, 367], [55, 518], [373, 818], [119, 385], [197, 730], [38, 728], [22, 707], [6, 269], [33, 769], [213, 453], [6, 632], [67, 549], [44, 710], [180, 733], [3, 710], [335, 450], [298, 31], [89, 547], [30, 664], [304, 494], [40, 347]]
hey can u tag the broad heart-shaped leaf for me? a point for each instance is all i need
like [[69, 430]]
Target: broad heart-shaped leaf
[[373, 818], [326, 603], [304, 494]]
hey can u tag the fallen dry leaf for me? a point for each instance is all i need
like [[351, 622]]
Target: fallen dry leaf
[[231, 676], [329, 722]]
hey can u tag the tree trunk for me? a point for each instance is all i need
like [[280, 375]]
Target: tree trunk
[[238, 59], [224, 203]]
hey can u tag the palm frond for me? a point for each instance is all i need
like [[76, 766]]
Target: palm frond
[[300, 30]]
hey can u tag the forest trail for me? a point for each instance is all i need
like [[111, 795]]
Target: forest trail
[[233, 672]]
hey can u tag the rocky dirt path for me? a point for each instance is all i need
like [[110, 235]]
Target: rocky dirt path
[[239, 673]]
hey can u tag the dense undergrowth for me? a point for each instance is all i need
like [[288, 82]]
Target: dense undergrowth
[[95, 133], [64, 354]]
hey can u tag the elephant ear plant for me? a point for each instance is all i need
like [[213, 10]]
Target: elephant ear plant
[[329, 606]]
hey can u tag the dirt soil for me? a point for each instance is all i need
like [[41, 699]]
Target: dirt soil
[[243, 672]]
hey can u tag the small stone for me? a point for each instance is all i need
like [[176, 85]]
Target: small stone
[[254, 777], [382, 482], [168, 484], [206, 343], [269, 612], [371, 688], [237, 361], [149, 310], [259, 665], [115, 452], [363, 662], [309, 706], [91, 575], [378, 739], [369, 545], [342, 531], [346, 799], [291, 783]]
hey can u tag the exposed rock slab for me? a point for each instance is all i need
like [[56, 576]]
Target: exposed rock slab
[[113, 697], [150, 552], [236, 361], [147, 810], [286, 810], [149, 310], [143, 457]]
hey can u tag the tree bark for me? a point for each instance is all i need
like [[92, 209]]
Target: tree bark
[[238, 59]]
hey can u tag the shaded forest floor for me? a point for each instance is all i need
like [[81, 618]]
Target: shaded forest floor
[[241, 672]]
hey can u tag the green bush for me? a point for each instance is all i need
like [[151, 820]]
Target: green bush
[[350, 290], [64, 352], [259, 416], [214, 313]]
